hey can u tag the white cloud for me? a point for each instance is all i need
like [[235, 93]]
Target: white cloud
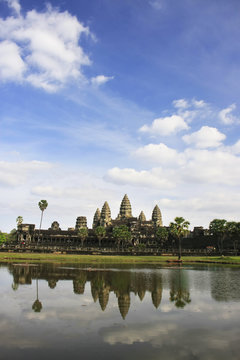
[[165, 126], [133, 333], [181, 104], [199, 103], [205, 137], [226, 116], [158, 153], [49, 46], [15, 5], [100, 79], [154, 178], [12, 66], [236, 148], [16, 173]]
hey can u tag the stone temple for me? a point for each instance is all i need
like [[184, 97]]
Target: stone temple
[[142, 231]]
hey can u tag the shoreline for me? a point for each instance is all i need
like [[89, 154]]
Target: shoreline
[[108, 259]]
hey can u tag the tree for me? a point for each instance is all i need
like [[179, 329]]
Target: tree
[[37, 305], [42, 206], [82, 233], [161, 235], [122, 235], [19, 220], [179, 289], [217, 228], [179, 229], [232, 229], [100, 232], [3, 237], [12, 236]]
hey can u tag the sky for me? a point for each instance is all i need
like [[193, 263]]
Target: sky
[[103, 98]]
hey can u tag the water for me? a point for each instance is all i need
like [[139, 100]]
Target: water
[[53, 311]]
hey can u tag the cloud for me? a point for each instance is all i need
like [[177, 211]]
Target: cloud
[[181, 104], [157, 153], [165, 126], [143, 178], [183, 169], [15, 5], [236, 148], [206, 137], [156, 4], [50, 53], [226, 116], [15, 173], [12, 66], [134, 333], [100, 79]]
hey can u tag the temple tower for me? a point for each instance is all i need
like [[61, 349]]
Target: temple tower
[[81, 222], [124, 304], [142, 217], [125, 208], [157, 216], [104, 297], [96, 219], [105, 218], [157, 297]]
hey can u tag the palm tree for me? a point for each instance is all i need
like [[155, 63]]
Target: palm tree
[[37, 305], [42, 206], [19, 220], [179, 228]]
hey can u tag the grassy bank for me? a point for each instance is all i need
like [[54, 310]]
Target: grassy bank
[[88, 259]]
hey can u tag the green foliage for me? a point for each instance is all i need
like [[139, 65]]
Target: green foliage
[[161, 235], [3, 237], [19, 220], [37, 306], [179, 229], [232, 229], [43, 204], [12, 236], [82, 233], [100, 232], [217, 228], [122, 235], [141, 246]]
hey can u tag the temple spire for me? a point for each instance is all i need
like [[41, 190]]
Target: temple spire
[[125, 208], [96, 218], [142, 217], [105, 219], [157, 216]]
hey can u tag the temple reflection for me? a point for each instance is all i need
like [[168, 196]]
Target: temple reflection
[[103, 282]]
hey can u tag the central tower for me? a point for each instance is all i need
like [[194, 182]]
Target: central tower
[[125, 208]]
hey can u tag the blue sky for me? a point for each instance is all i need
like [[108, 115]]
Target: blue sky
[[103, 98]]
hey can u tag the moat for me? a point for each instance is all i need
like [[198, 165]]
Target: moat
[[131, 312]]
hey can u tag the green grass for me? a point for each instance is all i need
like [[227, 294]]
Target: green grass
[[106, 259]]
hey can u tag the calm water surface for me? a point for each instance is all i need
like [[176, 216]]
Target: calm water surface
[[51, 311]]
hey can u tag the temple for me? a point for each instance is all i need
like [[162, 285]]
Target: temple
[[142, 230]]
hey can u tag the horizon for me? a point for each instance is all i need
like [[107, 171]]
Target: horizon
[[102, 98]]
